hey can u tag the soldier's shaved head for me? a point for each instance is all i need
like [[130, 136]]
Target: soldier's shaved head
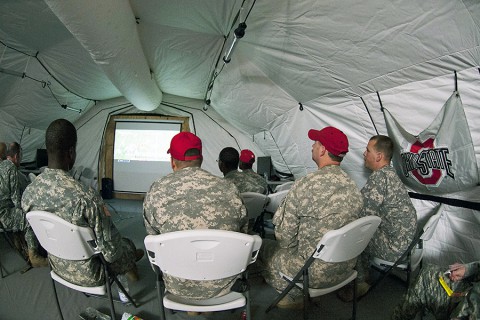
[[61, 135], [61, 142]]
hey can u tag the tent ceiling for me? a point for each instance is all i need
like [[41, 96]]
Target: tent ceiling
[[305, 51]]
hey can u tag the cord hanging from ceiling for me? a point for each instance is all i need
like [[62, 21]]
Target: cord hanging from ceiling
[[232, 39]]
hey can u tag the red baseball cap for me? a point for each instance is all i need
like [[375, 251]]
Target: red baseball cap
[[247, 156], [182, 142], [334, 140]]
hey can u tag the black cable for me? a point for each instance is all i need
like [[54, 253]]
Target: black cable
[[380, 100], [449, 201], [371, 119]]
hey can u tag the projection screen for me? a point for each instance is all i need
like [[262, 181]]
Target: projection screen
[[140, 153]]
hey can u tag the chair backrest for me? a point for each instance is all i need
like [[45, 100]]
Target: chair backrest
[[348, 241], [254, 202], [431, 225], [275, 200], [202, 254], [284, 186], [61, 238]]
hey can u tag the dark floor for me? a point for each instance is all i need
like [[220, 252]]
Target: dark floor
[[30, 295]]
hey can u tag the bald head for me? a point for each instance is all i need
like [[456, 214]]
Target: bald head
[[61, 142]]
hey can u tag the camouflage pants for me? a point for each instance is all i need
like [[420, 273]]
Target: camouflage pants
[[428, 294], [13, 219], [90, 272], [273, 260]]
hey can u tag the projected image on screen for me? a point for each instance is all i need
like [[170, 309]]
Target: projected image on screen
[[140, 153]]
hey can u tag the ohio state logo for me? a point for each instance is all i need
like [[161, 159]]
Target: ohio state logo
[[427, 164]]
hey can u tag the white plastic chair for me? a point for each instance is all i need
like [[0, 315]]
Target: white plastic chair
[[284, 186], [255, 204], [412, 257], [71, 242], [275, 200], [203, 254], [338, 245]]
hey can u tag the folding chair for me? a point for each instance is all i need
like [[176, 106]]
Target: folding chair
[[339, 245], [203, 254], [284, 186], [275, 200], [411, 259], [71, 242], [255, 204]]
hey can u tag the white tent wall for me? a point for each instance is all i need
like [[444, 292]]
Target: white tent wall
[[214, 131]]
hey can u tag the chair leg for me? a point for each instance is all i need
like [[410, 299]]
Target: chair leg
[[125, 292], [281, 296], [109, 291], [56, 299], [306, 294], [354, 308], [160, 290]]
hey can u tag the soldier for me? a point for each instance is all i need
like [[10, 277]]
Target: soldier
[[384, 195], [11, 215], [428, 293], [56, 191], [323, 200], [192, 198], [228, 164], [247, 159]]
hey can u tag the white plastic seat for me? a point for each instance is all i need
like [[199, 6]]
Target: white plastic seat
[[411, 259], [255, 204], [284, 186], [340, 245], [203, 254], [275, 200], [71, 242]]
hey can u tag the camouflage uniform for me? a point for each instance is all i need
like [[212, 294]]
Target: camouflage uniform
[[57, 192], [384, 195], [428, 294], [192, 198], [11, 214], [260, 180], [245, 182], [324, 200]]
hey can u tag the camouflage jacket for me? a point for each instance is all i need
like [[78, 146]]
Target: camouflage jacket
[[57, 192], [384, 195], [323, 200], [192, 198], [260, 180], [9, 187], [245, 182]]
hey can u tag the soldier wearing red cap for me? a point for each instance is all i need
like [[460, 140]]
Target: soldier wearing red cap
[[192, 198], [228, 161], [247, 159], [323, 200]]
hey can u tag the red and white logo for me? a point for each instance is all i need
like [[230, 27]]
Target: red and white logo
[[427, 164]]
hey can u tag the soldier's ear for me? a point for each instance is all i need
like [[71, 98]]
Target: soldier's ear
[[378, 157]]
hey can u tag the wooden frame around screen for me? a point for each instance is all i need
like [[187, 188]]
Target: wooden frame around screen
[[106, 162]]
